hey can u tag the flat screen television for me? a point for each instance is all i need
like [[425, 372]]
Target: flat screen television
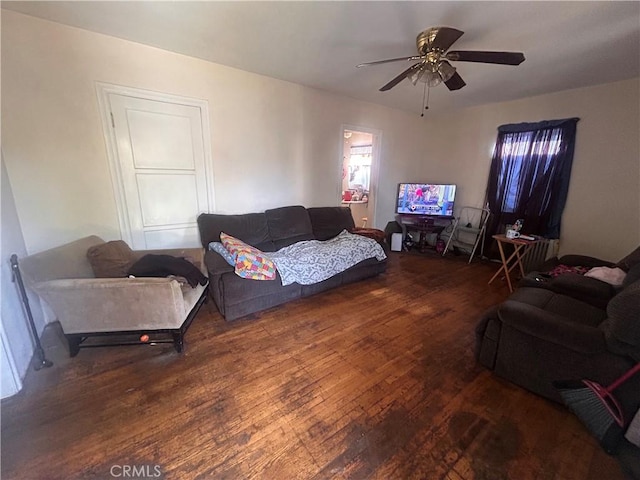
[[426, 199]]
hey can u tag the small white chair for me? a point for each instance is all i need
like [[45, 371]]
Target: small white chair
[[469, 230]]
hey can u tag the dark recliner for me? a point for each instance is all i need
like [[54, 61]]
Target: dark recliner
[[539, 335], [586, 289]]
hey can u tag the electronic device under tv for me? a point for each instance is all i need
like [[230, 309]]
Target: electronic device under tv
[[426, 199]]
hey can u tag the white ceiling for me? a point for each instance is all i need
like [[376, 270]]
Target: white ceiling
[[566, 44]]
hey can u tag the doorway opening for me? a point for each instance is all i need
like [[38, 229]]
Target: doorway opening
[[360, 151]]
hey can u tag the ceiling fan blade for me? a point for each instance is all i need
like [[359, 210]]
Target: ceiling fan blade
[[379, 62], [502, 58], [455, 82], [445, 37], [401, 77]]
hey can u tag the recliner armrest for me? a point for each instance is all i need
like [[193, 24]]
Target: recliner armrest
[[552, 327], [590, 290]]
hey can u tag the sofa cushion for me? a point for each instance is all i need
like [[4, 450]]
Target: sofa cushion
[[327, 222], [237, 297], [251, 228], [288, 225], [249, 261], [111, 259]]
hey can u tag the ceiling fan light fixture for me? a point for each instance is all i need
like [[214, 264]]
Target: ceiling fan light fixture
[[415, 76], [425, 75], [432, 79], [446, 71]]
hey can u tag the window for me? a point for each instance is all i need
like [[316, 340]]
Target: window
[[360, 167], [529, 176], [517, 151]]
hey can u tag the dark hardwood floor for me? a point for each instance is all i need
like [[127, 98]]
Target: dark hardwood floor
[[373, 380]]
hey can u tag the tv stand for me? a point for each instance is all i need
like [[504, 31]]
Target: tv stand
[[425, 225]]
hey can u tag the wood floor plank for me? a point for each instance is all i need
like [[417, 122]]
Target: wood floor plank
[[376, 379]]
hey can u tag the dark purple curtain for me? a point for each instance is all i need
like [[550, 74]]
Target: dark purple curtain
[[529, 176]]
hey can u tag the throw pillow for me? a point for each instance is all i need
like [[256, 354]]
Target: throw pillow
[[219, 248], [111, 259], [249, 261]]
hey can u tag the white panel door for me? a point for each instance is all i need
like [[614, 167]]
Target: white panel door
[[162, 168]]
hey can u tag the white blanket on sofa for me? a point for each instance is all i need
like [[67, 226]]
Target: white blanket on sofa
[[313, 261]]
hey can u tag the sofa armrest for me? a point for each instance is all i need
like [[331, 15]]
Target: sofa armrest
[[216, 264], [114, 304], [583, 261], [551, 327], [195, 255]]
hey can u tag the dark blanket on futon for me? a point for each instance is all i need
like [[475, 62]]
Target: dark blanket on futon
[[152, 265]]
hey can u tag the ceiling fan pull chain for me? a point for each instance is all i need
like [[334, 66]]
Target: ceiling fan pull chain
[[427, 92]]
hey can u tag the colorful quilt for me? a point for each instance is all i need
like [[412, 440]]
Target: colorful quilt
[[249, 262]]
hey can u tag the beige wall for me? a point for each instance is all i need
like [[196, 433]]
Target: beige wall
[[13, 318], [281, 141], [277, 140], [402, 146], [602, 214]]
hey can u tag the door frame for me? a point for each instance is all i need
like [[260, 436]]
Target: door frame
[[103, 90], [375, 164], [11, 381]]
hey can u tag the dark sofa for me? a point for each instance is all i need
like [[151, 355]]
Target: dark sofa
[[568, 328], [269, 231]]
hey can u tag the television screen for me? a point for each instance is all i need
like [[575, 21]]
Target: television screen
[[426, 199]]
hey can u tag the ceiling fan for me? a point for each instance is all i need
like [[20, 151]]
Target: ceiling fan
[[433, 65]]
